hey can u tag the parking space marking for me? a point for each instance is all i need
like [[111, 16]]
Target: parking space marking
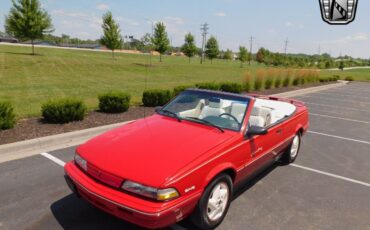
[[331, 175], [339, 137], [334, 99], [332, 106], [340, 118], [54, 159], [62, 163], [342, 94]]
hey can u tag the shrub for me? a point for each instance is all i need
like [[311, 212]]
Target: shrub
[[268, 82], [248, 81], [302, 76], [323, 79], [63, 110], [277, 82], [296, 80], [349, 78], [258, 81], [336, 77], [7, 116], [156, 97], [177, 90], [231, 87], [208, 85], [287, 78], [114, 102]]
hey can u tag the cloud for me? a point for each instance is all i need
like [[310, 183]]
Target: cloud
[[220, 14], [357, 37], [292, 25], [93, 21], [176, 20], [289, 24], [102, 7], [127, 21]]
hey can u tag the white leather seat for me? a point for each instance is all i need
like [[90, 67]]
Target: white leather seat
[[212, 109], [264, 113], [257, 121], [238, 110]]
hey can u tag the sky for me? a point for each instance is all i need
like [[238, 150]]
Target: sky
[[232, 22]]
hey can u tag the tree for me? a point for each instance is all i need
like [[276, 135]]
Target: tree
[[189, 48], [341, 65], [260, 56], [111, 38], [160, 39], [146, 42], [228, 55], [27, 21], [243, 55], [212, 50]]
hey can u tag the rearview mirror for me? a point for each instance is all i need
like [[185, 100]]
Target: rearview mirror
[[256, 130]]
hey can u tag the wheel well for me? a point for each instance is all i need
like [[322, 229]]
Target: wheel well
[[301, 131], [231, 172]]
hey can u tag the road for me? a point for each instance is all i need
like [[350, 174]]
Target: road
[[328, 187]]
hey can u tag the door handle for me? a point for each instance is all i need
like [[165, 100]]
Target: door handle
[[279, 131]]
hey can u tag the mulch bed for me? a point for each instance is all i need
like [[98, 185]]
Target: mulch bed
[[35, 127]]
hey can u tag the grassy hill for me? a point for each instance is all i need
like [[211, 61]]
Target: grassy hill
[[28, 81]]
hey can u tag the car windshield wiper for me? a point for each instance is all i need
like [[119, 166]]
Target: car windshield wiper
[[206, 123], [172, 113]]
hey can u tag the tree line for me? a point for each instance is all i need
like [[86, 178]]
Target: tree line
[[27, 21]]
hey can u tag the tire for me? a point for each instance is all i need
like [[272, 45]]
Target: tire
[[292, 151], [203, 216]]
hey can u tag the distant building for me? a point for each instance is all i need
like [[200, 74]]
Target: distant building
[[9, 39], [180, 54]]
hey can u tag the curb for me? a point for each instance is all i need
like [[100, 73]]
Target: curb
[[18, 150], [300, 92]]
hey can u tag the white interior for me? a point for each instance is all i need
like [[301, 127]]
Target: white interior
[[266, 112]]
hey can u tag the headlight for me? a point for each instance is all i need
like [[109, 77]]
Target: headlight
[[153, 193], [81, 162]]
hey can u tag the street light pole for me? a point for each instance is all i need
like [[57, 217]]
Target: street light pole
[[149, 20]]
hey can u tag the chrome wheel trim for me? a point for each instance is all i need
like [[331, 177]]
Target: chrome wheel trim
[[217, 201], [295, 147]]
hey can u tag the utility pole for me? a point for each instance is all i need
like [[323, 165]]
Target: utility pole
[[286, 46], [204, 28], [151, 36], [251, 48]]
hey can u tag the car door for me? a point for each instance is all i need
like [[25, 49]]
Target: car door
[[261, 150]]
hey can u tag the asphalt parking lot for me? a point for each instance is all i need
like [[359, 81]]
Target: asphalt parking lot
[[328, 187]]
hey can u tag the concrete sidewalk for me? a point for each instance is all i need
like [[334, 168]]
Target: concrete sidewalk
[[18, 150]]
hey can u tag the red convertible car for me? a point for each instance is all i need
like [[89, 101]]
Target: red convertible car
[[185, 160]]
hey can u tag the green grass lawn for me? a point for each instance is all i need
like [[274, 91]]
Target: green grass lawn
[[357, 74], [27, 81]]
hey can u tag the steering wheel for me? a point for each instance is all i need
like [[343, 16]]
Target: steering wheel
[[228, 114]]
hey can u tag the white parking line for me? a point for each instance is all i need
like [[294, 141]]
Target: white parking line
[[331, 175], [54, 159], [62, 163], [337, 107], [334, 99], [342, 94], [340, 118], [339, 137]]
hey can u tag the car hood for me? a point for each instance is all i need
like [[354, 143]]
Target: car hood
[[151, 150]]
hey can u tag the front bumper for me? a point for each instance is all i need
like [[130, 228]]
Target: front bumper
[[149, 214]]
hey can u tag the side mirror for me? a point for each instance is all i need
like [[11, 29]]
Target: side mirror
[[256, 130], [158, 108]]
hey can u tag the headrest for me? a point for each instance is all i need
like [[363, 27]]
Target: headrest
[[214, 102]]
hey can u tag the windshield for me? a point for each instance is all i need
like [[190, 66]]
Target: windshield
[[214, 109]]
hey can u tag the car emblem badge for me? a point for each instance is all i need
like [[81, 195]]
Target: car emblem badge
[[338, 12]]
